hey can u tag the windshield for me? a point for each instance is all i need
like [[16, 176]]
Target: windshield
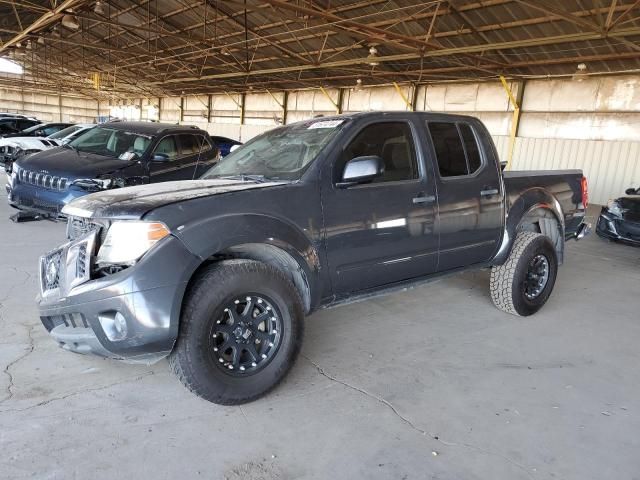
[[112, 143], [32, 129], [283, 153], [65, 132]]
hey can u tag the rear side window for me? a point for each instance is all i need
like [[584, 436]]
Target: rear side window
[[192, 144], [188, 144], [456, 148]]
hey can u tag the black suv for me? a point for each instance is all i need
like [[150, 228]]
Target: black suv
[[112, 155], [10, 125]]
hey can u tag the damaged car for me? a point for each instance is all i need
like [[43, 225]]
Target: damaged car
[[111, 155], [619, 220]]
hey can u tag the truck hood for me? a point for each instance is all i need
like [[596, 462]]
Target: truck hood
[[135, 202], [68, 163]]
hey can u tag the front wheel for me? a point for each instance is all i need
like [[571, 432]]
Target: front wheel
[[241, 330], [522, 285]]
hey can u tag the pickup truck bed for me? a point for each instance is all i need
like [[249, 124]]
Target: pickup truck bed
[[218, 273]]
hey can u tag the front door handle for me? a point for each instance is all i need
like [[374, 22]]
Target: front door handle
[[490, 192], [424, 199]]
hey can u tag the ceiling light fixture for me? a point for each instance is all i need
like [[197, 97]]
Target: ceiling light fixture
[[358, 87], [372, 58], [70, 21], [581, 72], [98, 9]]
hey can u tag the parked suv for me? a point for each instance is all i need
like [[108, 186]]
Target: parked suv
[[112, 155], [9, 125]]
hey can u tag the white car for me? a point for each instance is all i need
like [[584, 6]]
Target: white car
[[13, 147]]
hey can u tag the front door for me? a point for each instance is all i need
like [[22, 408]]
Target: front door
[[381, 232]]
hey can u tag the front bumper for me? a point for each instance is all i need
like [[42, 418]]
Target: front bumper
[[148, 295], [32, 198], [616, 228]]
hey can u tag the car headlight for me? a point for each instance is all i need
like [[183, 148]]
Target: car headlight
[[128, 240], [614, 208]]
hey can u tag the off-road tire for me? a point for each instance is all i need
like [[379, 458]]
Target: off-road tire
[[214, 286], [507, 280]]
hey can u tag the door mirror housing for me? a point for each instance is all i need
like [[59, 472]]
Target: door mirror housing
[[160, 157], [632, 191], [361, 170], [234, 148]]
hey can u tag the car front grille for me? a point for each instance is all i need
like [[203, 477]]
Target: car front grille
[[6, 152], [80, 226], [50, 270], [43, 180]]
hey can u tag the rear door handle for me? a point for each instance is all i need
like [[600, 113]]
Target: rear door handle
[[488, 193], [424, 199]]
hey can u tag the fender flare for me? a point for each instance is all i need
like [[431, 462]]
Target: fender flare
[[528, 201], [214, 235]]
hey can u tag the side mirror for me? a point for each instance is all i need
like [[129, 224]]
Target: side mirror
[[160, 157], [503, 165], [234, 148], [361, 170], [631, 191]]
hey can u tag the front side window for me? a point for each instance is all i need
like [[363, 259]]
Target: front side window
[[456, 148], [393, 142], [111, 142]]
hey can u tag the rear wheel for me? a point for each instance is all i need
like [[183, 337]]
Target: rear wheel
[[522, 285], [240, 332]]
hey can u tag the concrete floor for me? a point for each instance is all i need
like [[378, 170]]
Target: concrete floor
[[430, 383]]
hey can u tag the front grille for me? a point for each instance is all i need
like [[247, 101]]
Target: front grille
[[6, 152], [82, 263], [41, 179], [80, 226], [50, 270]]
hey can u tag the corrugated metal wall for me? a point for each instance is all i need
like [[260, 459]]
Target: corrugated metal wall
[[610, 166]]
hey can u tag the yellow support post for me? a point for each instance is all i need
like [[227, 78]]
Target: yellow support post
[[514, 121], [326, 94], [404, 97]]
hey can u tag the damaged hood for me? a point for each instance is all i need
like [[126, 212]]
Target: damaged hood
[[68, 163], [135, 202]]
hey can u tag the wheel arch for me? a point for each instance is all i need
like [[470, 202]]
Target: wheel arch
[[535, 210], [261, 238]]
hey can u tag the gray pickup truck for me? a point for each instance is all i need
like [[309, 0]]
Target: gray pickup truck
[[219, 273]]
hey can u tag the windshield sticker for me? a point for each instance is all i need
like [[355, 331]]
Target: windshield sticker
[[127, 156], [325, 124]]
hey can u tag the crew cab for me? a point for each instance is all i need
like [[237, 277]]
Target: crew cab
[[111, 155], [218, 273]]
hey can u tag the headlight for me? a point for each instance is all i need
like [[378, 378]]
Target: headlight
[[614, 208], [127, 241], [103, 182]]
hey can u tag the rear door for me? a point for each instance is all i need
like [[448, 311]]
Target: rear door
[[381, 232], [470, 194]]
